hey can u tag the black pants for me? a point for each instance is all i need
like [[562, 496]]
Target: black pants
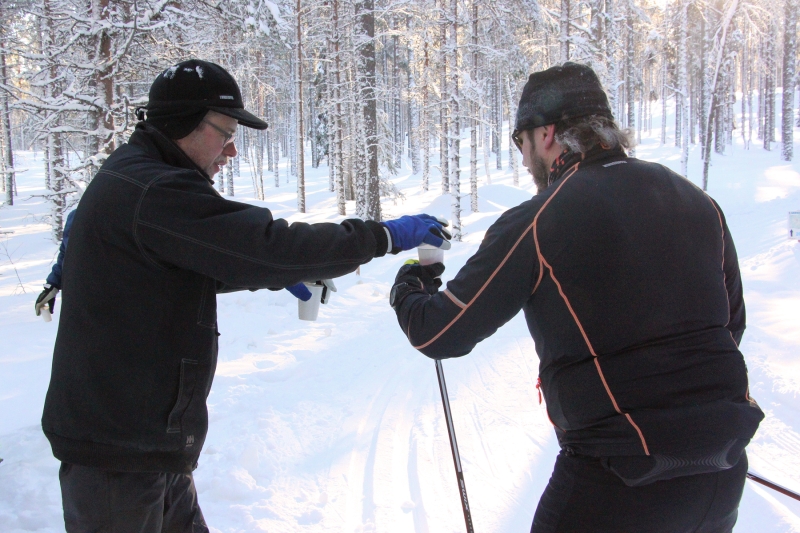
[[97, 500], [582, 496]]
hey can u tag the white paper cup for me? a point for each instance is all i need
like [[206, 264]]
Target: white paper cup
[[46, 314], [310, 309], [429, 254]]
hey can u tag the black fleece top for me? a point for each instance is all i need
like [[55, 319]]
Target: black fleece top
[[151, 245], [630, 285]]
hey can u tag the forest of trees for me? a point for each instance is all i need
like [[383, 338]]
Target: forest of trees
[[366, 86]]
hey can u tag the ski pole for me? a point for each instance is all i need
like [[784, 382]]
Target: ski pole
[[773, 486], [462, 488]]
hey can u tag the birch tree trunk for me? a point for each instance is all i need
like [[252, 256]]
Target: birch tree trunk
[[444, 119], [704, 96], [58, 184], [487, 141], [291, 127], [563, 35], [789, 59], [473, 136], [612, 43], [497, 118], [55, 139], [337, 159], [229, 172], [769, 90], [276, 147], [720, 47], [664, 101], [721, 116], [747, 108], [455, 134], [413, 110], [512, 156], [8, 155], [301, 171], [425, 116], [630, 76], [397, 128], [683, 84]]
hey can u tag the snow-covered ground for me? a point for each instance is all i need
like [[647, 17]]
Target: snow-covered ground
[[336, 425]]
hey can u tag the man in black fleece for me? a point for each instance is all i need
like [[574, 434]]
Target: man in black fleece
[[630, 285], [151, 245]]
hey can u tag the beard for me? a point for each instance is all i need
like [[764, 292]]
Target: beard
[[539, 169], [540, 173]]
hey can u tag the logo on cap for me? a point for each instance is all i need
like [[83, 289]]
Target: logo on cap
[[225, 97]]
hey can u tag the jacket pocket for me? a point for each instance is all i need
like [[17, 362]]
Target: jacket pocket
[[189, 378], [207, 314]]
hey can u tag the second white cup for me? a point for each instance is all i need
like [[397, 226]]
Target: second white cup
[[429, 254], [309, 309]]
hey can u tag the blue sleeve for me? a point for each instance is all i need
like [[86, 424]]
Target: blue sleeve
[[54, 278]]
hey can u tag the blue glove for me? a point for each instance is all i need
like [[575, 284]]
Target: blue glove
[[300, 291], [410, 231]]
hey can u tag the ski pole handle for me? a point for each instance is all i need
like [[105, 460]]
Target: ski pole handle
[[451, 431]]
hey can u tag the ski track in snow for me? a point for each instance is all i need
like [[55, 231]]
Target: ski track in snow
[[337, 425]]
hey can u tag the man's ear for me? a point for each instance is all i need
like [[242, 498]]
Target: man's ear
[[548, 136]]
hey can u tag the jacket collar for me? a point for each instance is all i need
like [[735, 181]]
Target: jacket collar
[[567, 159], [159, 145]]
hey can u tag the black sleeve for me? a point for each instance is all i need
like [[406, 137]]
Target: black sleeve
[[186, 224], [485, 294], [733, 284]]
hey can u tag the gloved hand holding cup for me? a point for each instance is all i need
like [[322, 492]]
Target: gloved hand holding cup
[[310, 296], [410, 231], [45, 302]]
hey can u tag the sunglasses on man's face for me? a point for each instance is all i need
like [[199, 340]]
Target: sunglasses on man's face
[[515, 137], [225, 133]]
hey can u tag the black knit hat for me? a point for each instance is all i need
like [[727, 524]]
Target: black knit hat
[[182, 95], [560, 93]]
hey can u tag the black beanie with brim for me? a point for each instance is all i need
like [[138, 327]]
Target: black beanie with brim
[[182, 95], [560, 93]]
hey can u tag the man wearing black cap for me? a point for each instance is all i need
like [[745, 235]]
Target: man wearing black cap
[[630, 285], [151, 245]]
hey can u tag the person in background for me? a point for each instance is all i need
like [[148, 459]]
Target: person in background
[[53, 282], [151, 245], [629, 281]]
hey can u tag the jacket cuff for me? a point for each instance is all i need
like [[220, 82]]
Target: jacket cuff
[[381, 240]]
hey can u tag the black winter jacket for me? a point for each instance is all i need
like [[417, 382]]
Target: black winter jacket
[[151, 245], [630, 285]]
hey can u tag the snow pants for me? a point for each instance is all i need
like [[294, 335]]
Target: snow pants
[[583, 496], [97, 500]]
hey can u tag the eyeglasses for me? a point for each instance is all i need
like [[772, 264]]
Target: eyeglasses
[[225, 133], [517, 139]]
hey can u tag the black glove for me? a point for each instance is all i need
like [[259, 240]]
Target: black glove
[[413, 277], [46, 297]]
